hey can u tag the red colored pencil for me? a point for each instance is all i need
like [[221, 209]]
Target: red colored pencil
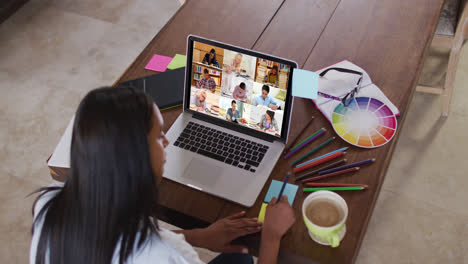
[[318, 162], [314, 184], [331, 174]]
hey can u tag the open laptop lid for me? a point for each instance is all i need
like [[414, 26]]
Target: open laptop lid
[[237, 88]]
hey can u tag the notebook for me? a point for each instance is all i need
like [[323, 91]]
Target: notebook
[[166, 88], [171, 82], [339, 84]]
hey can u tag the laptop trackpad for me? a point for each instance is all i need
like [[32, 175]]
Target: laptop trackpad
[[202, 172]]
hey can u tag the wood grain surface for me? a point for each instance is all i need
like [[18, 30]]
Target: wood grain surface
[[387, 38]]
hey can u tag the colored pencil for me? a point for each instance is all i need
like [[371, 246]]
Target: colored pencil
[[331, 174], [309, 137], [356, 164], [355, 188], [314, 150], [314, 184], [282, 187], [299, 134], [334, 164], [324, 155], [305, 144], [319, 161]]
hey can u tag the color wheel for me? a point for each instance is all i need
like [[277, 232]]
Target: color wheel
[[365, 122]]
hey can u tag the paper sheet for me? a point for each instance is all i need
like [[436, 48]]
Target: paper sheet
[[177, 62], [305, 84], [158, 63], [61, 156]]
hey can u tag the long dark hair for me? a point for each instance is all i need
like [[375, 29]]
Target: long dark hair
[[214, 56], [271, 114], [110, 195]]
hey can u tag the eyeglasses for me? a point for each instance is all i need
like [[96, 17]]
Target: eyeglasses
[[348, 98]]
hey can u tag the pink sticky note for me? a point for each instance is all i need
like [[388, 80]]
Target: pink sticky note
[[158, 63]]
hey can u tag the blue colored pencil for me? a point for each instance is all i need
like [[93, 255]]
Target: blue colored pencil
[[328, 154], [282, 187], [344, 167]]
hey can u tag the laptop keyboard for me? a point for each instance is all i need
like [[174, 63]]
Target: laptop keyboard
[[222, 146]]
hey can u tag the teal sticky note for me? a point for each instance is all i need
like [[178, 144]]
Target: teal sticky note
[[177, 62], [275, 188], [305, 84]]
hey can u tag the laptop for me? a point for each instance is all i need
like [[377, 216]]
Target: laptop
[[235, 122]]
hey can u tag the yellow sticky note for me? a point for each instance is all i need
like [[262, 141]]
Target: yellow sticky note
[[261, 215]]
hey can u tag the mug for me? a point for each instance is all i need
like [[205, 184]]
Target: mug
[[326, 235]]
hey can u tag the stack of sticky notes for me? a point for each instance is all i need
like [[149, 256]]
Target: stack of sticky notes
[[177, 62], [275, 187], [160, 63], [305, 84]]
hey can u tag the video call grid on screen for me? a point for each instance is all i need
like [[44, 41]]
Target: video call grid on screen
[[239, 88]]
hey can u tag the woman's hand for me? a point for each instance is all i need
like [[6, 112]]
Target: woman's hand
[[279, 217], [219, 235]]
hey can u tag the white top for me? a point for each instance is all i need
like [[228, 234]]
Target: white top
[[169, 247]]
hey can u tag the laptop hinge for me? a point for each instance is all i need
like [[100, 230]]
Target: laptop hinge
[[233, 126]]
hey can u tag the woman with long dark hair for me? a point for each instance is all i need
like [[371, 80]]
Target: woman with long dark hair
[[105, 211], [210, 58]]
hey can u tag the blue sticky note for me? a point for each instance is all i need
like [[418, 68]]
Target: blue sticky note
[[305, 84], [275, 188]]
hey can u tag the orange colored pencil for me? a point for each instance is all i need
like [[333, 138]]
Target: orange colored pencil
[[315, 184], [318, 162], [331, 174]]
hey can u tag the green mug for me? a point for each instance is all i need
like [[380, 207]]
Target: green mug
[[332, 233]]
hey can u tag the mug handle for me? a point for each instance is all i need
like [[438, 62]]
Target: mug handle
[[334, 239]]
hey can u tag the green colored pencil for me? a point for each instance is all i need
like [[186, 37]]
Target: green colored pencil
[[303, 141], [357, 188], [313, 151]]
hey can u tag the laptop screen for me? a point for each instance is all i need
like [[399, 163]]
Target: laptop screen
[[239, 88]]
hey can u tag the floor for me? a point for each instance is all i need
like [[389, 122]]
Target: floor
[[53, 52]]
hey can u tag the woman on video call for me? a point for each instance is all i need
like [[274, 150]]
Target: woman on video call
[[105, 211], [268, 122], [210, 58]]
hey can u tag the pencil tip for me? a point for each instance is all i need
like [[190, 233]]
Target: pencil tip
[[373, 159], [358, 168]]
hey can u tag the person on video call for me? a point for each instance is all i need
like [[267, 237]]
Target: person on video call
[[272, 76], [207, 82], [235, 65], [105, 211], [268, 122], [200, 101], [233, 114], [210, 58], [266, 99], [240, 92]]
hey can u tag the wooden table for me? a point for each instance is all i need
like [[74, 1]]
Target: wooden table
[[388, 38]]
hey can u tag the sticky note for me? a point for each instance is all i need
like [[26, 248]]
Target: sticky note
[[275, 188], [177, 62], [158, 63], [261, 215], [305, 84]]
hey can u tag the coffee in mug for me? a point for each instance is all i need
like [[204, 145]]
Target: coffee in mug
[[325, 214]]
